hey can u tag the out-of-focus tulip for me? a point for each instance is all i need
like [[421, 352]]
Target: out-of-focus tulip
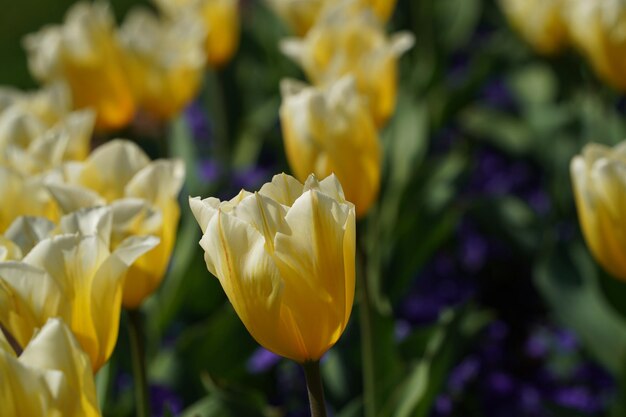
[[221, 20], [540, 22], [166, 60], [331, 131], [599, 187], [299, 15], [23, 196], [597, 29], [84, 53], [49, 104], [73, 276], [30, 146], [120, 173], [350, 40], [383, 8], [52, 377], [285, 258], [303, 15], [9, 251]]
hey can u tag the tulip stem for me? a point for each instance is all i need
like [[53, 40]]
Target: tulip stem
[[367, 345], [315, 388], [140, 379]]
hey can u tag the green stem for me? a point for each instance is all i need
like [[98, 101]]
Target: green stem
[[367, 338], [315, 388], [140, 379]]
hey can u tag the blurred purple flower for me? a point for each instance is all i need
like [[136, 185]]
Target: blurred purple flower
[[251, 178], [262, 360], [164, 399], [210, 170], [199, 123], [463, 374]]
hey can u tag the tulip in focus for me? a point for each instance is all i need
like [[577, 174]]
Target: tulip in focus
[[121, 174], [540, 22], [331, 131], [599, 187], [84, 53], [51, 377], [285, 258], [73, 276], [221, 20], [351, 40], [166, 60], [598, 28]]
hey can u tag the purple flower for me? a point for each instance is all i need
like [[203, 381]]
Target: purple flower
[[164, 399], [262, 360], [199, 123]]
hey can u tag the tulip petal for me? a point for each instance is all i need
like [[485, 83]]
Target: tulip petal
[[311, 262]]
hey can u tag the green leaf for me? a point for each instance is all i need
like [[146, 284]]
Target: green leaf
[[568, 280], [459, 18]]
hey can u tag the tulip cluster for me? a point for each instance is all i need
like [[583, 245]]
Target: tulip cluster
[[81, 234], [595, 28], [153, 63], [352, 64]]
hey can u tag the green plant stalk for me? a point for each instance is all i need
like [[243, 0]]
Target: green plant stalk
[[315, 388], [367, 339], [140, 378]]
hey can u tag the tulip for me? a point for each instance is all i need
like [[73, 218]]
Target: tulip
[[299, 15], [221, 20], [85, 53], [166, 60], [49, 104], [331, 131], [30, 146], [599, 186], [9, 251], [285, 258], [121, 174], [382, 8], [351, 40], [50, 378], [540, 22], [27, 196], [74, 276], [596, 28]]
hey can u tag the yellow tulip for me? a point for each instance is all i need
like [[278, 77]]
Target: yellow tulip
[[331, 131], [221, 20], [30, 146], [166, 60], [121, 174], [84, 53], [285, 258], [352, 41], [597, 29], [299, 15], [73, 276], [51, 378], [599, 187], [9, 251], [49, 104], [540, 22], [27, 196]]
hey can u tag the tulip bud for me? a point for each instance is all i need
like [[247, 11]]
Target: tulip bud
[[221, 20], [331, 131], [599, 181], [350, 40], [85, 54], [51, 377], [285, 258], [166, 60], [540, 22]]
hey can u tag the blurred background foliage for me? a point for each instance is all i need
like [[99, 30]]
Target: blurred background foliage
[[487, 302]]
